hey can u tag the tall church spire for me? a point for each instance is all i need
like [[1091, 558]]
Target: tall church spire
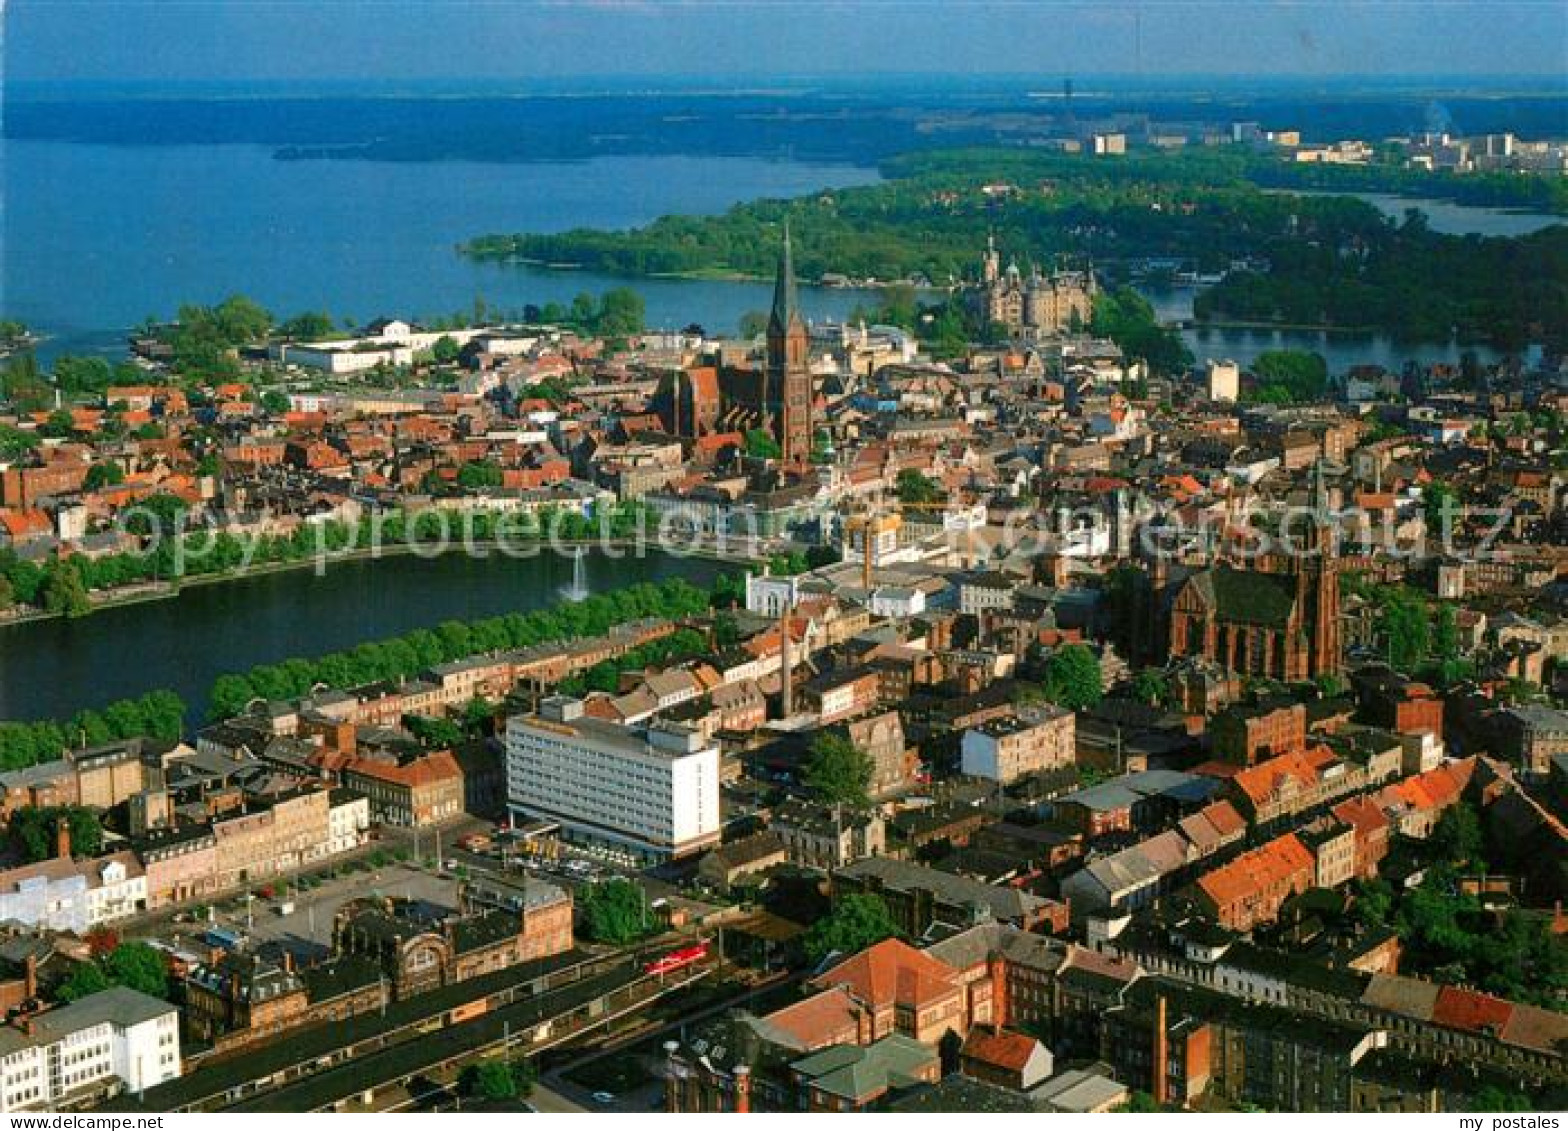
[[788, 377], [786, 305]]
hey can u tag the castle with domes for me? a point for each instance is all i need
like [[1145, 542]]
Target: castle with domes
[[1036, 305]]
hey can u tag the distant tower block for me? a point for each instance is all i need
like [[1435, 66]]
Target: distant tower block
[[1224, 380]]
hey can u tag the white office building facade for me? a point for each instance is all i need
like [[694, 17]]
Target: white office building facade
[[652, 789], [118, 1040]]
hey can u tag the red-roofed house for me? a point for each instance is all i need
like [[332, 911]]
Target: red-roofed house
[[1005, 1058], [1274, 788], [901, 990], [23, 525], [1371, 827], [1415, 804], [1251, 888], [421, 792], [1460, 1008]]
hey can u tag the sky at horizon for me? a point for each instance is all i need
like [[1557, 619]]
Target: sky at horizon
[[164, 41]]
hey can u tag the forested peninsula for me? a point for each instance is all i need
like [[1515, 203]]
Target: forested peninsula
[[1267, 256]]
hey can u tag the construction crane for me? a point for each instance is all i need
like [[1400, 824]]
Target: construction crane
[[871, 522]]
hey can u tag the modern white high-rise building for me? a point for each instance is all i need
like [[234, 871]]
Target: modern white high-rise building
[[652, 788]]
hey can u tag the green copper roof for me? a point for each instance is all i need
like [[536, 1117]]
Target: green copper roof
[[1247, 597]]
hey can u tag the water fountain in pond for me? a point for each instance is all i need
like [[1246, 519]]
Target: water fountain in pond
[[578, 589]]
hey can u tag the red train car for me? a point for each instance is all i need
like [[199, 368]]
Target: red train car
[[677, 959]]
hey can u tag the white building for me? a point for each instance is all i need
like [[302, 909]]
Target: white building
[[116, 887], [113, 1041], [897, 602], [348, 819], [770, 595], [51, 894], [1224, 380], [393, 342], [1005, 749], [985, 591], [653, 789]]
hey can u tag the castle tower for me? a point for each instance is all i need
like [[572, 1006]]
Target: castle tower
[[991, 262], [788, 374]]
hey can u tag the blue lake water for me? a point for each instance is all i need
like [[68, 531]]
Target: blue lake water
[[1341, 349], [98, 237], [53, 668], [1452, 218]]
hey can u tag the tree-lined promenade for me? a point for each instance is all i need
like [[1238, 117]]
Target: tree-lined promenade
[[175, 553], [161, 714], [1328, 261]]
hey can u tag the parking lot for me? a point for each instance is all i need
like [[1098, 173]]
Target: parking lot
[[297, 913], [306, 931]]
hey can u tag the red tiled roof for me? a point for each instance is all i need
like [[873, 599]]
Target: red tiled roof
[[891, 973], [1362, 814], [1223, 816], [430, 769], [1465, 1009], [19, 522], [818, 1020], [1262, 781], [718, 441], [1000, 1047], [1221, 770], [1435, 789], [1262, 868]]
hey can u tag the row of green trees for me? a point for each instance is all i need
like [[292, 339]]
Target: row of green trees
[[683, 644], [53, 587], [416, 651], [161, 714], [179, 551], [157, 714]]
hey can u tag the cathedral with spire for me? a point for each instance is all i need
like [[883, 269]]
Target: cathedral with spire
[[789, 391], [1278, 620], [777, 395]]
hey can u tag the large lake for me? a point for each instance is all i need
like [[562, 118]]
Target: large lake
[[53, 668], [98, 237]]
